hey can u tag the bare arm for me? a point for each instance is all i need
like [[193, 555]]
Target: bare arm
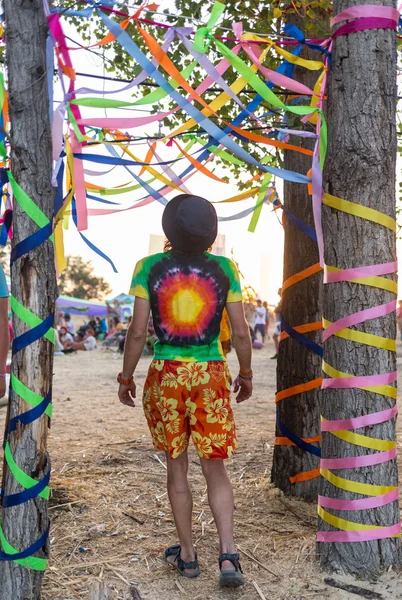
[[4, 342], [242, 344], [133, 347], [241, 335]]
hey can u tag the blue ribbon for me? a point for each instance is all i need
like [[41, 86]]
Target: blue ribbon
[[8, 219], [34, 334], [30, 415], [296, 440], [38, 545], [300, 224], [302, 339], [28, 494], [88, 242], [31, 242]]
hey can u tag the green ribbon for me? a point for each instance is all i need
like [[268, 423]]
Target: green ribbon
[[28, 395], [28, 205], [20, 476], [36, 564], [29, 318], [204, 32], [259, 202]]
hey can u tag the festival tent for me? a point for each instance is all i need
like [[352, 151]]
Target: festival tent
[[77, 306], [126, 302]]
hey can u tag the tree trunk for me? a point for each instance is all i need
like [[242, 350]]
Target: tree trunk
[[33, 282], [301, 304], [360, 167]]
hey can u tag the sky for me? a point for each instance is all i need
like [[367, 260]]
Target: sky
[[125, 237]]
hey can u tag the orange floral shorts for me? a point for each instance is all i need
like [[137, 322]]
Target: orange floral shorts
[[190, 399]]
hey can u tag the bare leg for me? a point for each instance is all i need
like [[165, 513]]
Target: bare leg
[[220, 498], [181, 502]]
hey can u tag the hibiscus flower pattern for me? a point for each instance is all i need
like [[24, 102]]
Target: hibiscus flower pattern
[[183, 399], [159, 437], [169, 380], [166, 407], [193, 374], [202, 444], [190, 412], [179, 444], [217, 411]]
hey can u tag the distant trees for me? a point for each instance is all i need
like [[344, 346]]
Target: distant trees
[[80, 281]]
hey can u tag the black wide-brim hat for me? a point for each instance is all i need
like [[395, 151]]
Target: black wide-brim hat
[[190, 223]]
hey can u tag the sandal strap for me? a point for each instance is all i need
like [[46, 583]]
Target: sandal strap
[[183, 565], [173, 550], [233, 558]]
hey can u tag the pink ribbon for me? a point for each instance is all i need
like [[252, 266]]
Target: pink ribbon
[[361, 504], [359, 317], [363, 381], [360, 272], [359, 536], [364, 25], [352, 462], [80, 191], [357, 422], [368, 10]]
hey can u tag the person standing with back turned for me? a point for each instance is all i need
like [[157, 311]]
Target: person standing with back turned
[[187, 391]]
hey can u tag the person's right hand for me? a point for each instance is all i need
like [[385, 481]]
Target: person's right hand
[[246, 389], [2, 387], [127, 393]]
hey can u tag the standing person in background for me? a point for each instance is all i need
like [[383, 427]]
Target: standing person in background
[[187, 391], [277, 331], [69, 323], [265, 305], [261, 315], [226, 334], [4, 331]]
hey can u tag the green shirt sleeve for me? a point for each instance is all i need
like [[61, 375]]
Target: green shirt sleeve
[[3, 284], [139, 282], [234, 293]]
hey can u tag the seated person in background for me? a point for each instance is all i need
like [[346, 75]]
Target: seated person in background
[[69, 323], [115, 331], [88, 343], [101, 328], [64, 336]]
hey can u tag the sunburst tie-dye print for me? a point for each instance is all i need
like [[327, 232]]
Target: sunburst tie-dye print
[[187, 294]]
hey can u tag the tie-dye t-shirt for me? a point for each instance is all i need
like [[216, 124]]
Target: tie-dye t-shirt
[[187, 294]]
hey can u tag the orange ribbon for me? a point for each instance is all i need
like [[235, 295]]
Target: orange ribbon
[[307, 328], [305, 476], [316, 268], [284, 441], [298, 389]]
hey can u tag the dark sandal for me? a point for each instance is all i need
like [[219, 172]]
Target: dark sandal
[[179, 564], [231, 578]]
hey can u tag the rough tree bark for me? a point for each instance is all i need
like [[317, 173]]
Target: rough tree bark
[[301, 304], [33, 279], [360, 167]]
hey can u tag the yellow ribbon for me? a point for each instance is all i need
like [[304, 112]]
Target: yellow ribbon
[[363, 440], [363, 338], [344, 525], [356, 487], [352, 208]]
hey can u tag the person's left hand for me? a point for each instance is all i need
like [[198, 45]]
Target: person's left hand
[[127, 393], [2, 387], [246, 389]]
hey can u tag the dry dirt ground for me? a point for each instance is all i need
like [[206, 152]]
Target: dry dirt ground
[[110, 513]]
